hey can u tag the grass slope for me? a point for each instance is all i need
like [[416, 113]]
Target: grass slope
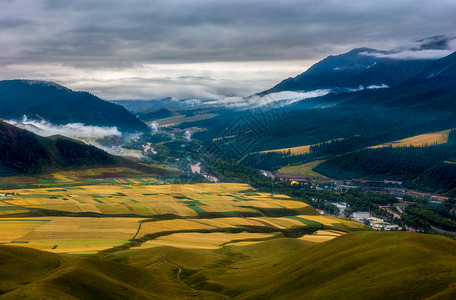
[[362, 265], [43, 275]]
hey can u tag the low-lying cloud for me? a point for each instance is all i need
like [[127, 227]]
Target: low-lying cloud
[[412, 54], [72, 130], [272, 99], [429, 48]]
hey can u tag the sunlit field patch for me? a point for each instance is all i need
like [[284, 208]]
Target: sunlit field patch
[[427, 139], [204, 240]]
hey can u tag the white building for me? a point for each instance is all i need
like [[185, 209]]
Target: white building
[[361, 215]]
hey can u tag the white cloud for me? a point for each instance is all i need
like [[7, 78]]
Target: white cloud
[[412, 54], [273, 99], [72, 130]]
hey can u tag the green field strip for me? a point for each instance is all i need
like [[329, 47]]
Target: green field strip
[[126, 187], [57, 190], [142, 180], [304, 221], [93, 180], [230, 213], [239, 198], [97, 200], [109, 181], [193, 202], [141, 209], [119, 194], [12, 207], [197, 209], [44, 181], [95, 196], [252, 194], [24, 220]]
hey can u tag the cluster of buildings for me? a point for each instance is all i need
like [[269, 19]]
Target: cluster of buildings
[[375, 223], [8, 194]]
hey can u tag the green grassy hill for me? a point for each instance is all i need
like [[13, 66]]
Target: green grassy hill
[[22, 152], [362, 265]]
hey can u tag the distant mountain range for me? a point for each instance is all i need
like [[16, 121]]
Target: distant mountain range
[[419, 98], [59, 105], [365, 67], [361, 67]]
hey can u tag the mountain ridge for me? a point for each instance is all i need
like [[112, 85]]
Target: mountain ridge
[[59, 105]]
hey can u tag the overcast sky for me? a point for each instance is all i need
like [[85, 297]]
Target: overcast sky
[[145, 49]]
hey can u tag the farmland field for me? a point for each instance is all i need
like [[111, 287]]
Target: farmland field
[[86, 219], [126, 198], [293, 150], [205, 240], [427, 139], [103, 175], [304, 169], [296, 150]]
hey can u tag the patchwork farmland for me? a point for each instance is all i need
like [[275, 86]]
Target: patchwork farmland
[[87, 219]]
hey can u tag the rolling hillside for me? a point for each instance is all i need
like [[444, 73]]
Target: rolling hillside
[[374, 265]]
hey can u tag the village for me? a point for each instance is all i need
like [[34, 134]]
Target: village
[[376, 222]]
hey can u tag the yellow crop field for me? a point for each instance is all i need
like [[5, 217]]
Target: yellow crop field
[[333, 221], [320, 236], [67, 234], [149, 200], [170, 214], [204, 240], [427, 139], [293, 150], [297, 150], [304, 169]]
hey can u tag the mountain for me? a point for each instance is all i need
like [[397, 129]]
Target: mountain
[[444, 69], [358, 67], [361, 265], [59, 105], [422, 102], [22, 152]]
